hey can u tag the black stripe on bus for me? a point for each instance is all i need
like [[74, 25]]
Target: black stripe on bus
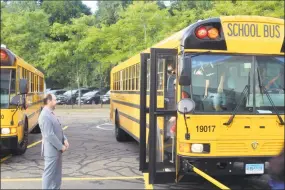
[[159, 93], [127, 104], [129, 117], [135, 120]]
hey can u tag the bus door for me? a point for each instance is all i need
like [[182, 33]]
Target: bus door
[[160, 146]]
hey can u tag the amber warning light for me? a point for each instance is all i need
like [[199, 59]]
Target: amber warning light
[[203, 32]]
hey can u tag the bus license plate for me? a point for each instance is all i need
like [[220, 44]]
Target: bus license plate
[[254, 168]]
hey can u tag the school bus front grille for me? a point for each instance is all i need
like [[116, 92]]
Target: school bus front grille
[[231, 147], [273, 147]]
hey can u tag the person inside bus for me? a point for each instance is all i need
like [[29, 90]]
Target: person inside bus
[[231, 87], [271, 83], [170, 95], [214, 85]]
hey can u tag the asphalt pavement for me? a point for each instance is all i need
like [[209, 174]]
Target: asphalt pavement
[[95, 160]]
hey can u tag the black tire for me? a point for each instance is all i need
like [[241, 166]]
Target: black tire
[[22, 146], [36, 130], [120, 134]]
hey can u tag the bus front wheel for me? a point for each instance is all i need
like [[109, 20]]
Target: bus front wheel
[[22, 146], [120, 134], [37, 129]]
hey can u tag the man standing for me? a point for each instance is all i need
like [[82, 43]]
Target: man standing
[[53, 145]]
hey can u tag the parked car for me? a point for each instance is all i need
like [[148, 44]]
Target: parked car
[[62, 99], [57, 92], [71, 95], [106, 98], [92, 97]]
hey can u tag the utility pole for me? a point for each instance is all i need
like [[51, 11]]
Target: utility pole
[[78, 85], [101, 84]]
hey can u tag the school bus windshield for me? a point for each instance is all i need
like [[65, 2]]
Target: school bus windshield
[[7, 86], [220, 81]]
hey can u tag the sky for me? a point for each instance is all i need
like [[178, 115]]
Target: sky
[[93, 4]]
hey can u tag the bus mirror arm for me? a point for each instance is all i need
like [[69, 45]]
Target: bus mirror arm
[[187, 134], [15, 101]]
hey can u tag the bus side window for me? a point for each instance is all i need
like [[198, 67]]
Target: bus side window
[[148, 74]]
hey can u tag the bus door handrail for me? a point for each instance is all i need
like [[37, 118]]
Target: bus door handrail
[[208, 177]]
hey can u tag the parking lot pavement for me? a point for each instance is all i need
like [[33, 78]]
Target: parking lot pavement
[[95, 159]]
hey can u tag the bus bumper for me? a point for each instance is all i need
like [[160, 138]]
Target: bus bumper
[[220, 166], [8, 142]]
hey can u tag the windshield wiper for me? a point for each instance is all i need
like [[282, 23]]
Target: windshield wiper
[[263, 89], [245, 92]]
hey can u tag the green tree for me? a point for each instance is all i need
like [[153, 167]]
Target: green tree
[[139, 26], [65, 61], [108, 11], [24, 31], [64, 11]]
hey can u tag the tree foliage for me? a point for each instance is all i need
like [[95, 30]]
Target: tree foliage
[[73, 47], [64, 11]]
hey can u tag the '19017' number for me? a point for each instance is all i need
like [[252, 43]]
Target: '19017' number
[[206, 128]]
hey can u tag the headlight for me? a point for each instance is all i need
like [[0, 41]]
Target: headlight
[[197, 148], [5, 131]]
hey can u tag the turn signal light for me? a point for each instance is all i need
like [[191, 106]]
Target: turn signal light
[[13, 130], [213, 33], [184, 147], [203, 32]]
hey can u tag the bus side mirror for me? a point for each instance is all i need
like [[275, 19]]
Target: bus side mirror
[[184, 80], [16, 100], [185, 106], [23, 86]]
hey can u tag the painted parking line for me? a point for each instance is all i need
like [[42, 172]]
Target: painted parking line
[[146, 181], [6, 158], [29, 146], [73, 179], [104, 128]]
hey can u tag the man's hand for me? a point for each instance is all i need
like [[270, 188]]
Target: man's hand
[[172, 119], [63, 148], [66, 144]]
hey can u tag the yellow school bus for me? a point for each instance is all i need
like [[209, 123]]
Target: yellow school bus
[[208, 99], [22, 91]]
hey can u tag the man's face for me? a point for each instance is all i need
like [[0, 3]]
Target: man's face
[[52, 103]]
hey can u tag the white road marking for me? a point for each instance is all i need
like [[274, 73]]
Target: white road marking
[[104, 128]]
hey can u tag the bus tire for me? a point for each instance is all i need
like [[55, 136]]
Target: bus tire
[[120, 134], [36, 129], [22, 146]]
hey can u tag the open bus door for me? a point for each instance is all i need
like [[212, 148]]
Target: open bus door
[[160, 145], [144, 110]]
